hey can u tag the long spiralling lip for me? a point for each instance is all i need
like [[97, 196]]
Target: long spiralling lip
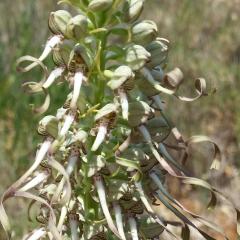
[[67, 124], [103, 202], [124, 103], [133, 228], [37, 234], [56, 73], [35, 181], [78, 78], [119, 220], [102, 131], [51, 43]]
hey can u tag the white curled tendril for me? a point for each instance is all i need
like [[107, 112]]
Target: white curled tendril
[[119, 220], [51, 43], [124, 103], [77, 79], [103, 202], [37, 234], [35, 181], [56, 73], [67, 124], [102, 132]]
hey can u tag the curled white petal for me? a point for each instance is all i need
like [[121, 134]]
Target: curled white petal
[[74, 229], [56, 73], [124, 103], [71, 164], [102, 198], [78, 78], [41, 153], [37, 234], [133, 228], [119, 220], [102, 131], [35, 181], [67, 124], [51, 43], [62, 218]]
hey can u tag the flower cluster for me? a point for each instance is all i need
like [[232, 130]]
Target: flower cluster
[[102, 165]]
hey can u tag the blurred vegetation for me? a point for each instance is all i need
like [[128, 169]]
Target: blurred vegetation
[[205, 40]]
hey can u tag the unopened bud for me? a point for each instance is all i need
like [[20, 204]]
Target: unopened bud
[[143, 32], [99, 5], [58, 21], [132, 9]]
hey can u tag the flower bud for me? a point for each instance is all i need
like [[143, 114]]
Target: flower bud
[[136, 57], [139, 112], [48, 126], [62, 52], [79, 59], [143, 32], [146, 87], [123, 75], [99, 5], [159, 52], [132, 9], [77, 27], [58, 21]]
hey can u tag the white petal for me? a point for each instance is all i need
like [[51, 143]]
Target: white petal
[[103, 202], [53, 76], [71, 164], [78, 78], [119, 220], [74, 229], [67, 124], [37, 234], [62, 218], [102, 131], [35, 181], [133, 228], [51, 43], [124, 103]]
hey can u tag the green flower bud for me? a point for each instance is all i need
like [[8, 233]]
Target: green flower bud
[[122, 76], [61, 53], [99, 5], [48, 126], [143, 32], [136, 57], [139, 112], [132, 9], [77, 27], [146, 87], [58, 21], [79, 59], [159, 52]]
